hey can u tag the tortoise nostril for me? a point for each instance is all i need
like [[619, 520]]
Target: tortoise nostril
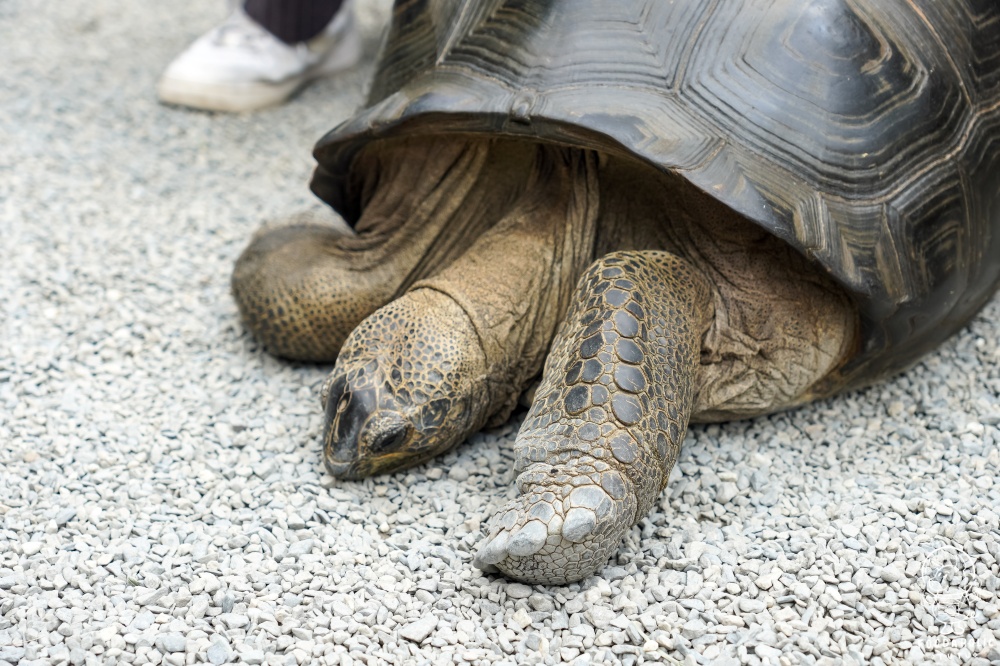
[[333, 388], [389, 437]]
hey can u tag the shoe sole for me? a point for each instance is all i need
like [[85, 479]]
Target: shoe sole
[[240, 97], [233, 98]]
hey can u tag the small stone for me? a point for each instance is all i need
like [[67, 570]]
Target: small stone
[[751, 605], [142, 621], [171, 642], [300, 548], [727, 491], [541, 603], [694, 629], [12, 655], [234, 620], [65, 515], [770, 496], [419, 630], [199, 550], [767, 652], [533, 641], [599, 616], [198, 608], [212, 583], [218, 653], [30, 548], [766, 582], [152, 597], [253, 656], [458, 473], [899, 506], [891, 574], [731, 620], [521, 618], [559, 621], [518, 591]]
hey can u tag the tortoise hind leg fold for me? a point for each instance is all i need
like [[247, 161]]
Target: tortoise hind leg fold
[[302, 288], [608, 420]]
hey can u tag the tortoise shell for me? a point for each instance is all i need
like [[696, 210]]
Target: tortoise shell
[[864, 133]]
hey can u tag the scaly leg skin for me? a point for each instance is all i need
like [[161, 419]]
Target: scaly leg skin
[[607, 424], [301, 289]]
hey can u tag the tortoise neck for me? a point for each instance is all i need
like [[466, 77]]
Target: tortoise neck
[[517, 280]]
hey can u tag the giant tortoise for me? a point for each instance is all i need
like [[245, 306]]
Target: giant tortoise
[[685, 211]]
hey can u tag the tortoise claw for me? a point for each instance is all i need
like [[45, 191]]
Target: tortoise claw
[[524, 542], [493, 552], [557, 534], [529, 539], [579, 525]]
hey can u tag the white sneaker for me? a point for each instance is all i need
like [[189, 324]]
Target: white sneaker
[[240, 66]]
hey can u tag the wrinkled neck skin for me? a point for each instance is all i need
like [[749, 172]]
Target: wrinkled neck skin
[[515, 283]]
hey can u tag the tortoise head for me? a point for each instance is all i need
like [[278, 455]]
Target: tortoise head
[[402, 391]]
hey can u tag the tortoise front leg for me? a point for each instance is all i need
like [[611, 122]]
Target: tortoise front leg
[[606, 426]]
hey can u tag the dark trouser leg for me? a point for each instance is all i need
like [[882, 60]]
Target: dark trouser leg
[[293, 21]]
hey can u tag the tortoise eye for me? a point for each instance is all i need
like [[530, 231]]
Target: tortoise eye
[[390, 440]]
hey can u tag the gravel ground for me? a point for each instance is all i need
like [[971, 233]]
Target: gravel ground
[[162, 497]]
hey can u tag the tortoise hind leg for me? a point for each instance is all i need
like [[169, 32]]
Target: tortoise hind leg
[[608, 419], [298, 291], [302, 289]]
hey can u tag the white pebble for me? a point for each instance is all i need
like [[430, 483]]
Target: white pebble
[[419, 630], [30, 548], [171, 642]]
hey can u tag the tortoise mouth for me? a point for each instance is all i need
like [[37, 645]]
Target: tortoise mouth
[[355, 470], [342, 469]]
